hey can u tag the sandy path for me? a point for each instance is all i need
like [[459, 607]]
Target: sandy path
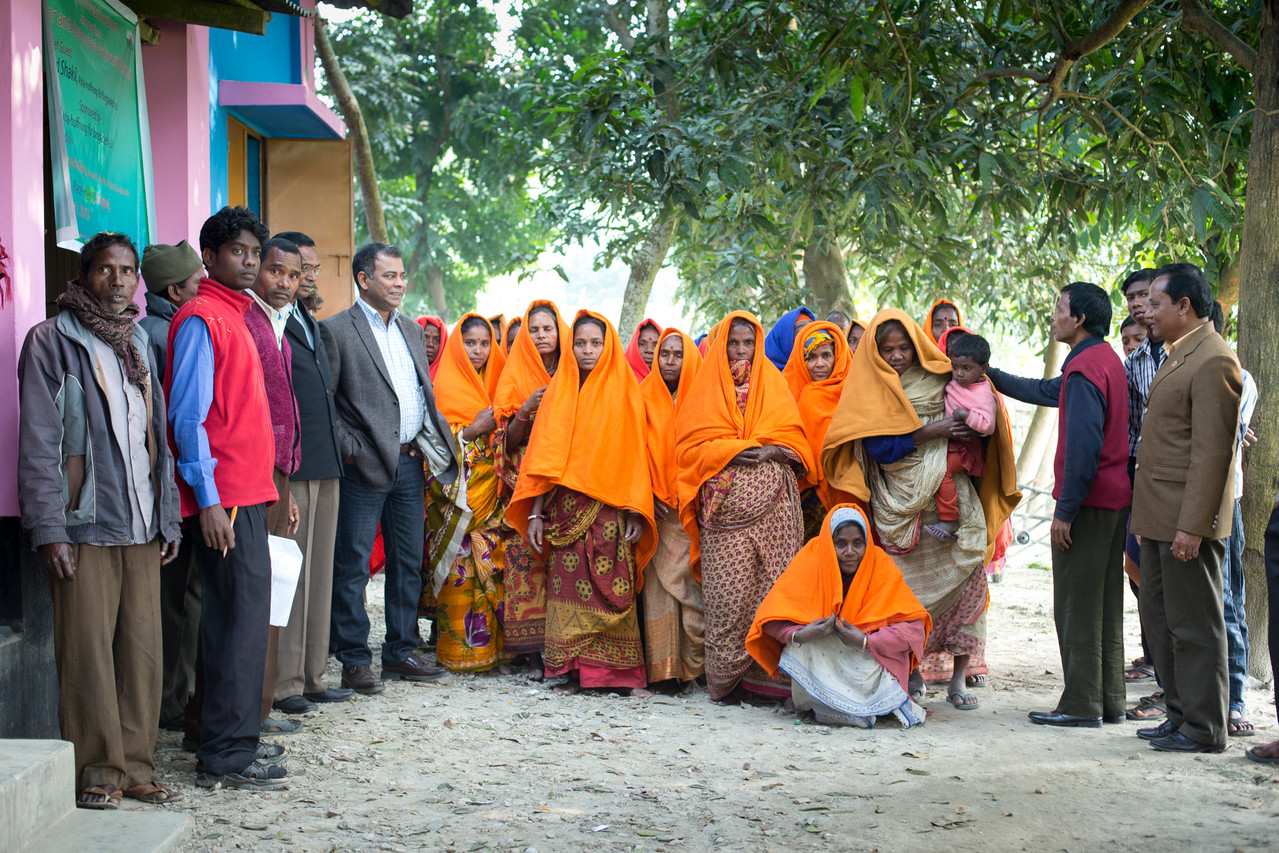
[[493, 762]]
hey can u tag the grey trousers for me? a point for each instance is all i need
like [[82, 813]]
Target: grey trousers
[[304, 642]]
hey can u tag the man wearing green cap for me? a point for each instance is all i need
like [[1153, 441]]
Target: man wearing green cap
[[172, 275]]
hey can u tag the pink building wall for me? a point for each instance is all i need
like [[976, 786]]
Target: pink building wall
[[21, 213]]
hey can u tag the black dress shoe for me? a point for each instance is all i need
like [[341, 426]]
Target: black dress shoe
[[1114, 719], [1162, 730], [294, 704], [361, 679], [1057, 718], [413, 668], [1177, 742], [330, 694]]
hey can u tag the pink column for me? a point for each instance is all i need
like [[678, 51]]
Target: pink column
[[176, 71], [21, 214]]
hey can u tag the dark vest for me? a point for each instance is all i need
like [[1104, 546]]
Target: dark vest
[[1111, 488], [313, 388]]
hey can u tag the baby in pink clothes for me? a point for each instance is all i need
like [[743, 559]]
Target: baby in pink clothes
[[969, 399]]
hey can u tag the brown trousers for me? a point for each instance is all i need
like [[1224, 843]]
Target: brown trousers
[[106, 642], [304, 642]]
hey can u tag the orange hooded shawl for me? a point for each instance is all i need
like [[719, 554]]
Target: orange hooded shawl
[[710, 431], [817, 400], [873, 403], [524, 373], [461, 392], [928, 318], [812, 588], [659, 415], [588, 439], [434, 366], [633, 357]]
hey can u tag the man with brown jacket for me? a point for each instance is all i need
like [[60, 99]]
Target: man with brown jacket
[[1182, 509]]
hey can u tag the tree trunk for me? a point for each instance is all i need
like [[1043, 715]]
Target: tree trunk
[[645, 263], [374, 218], [1228, 285], [826, 276], [1040, 434], [1259, 326], [435, 289]]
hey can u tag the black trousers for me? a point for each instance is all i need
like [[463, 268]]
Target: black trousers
[[179, 626], [1272, 587], [1088, 607], [1185, 624], [236, 610]]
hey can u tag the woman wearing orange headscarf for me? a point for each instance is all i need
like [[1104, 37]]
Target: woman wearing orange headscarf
[[815, 374], [740, 450], [942, 316], [643, 348], [585, 500], [856, 328], [463, 570], [436, 335], [674, 627], [843, 624], [887, 444], [534, 358]]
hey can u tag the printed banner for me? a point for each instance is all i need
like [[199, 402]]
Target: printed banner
[[100, 140]]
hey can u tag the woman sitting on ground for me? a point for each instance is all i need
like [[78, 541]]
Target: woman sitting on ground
[[843, 624]]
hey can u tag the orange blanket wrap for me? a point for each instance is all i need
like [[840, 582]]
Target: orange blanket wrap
[[434, 366], [524, 373], [873, 403], [588, 439], [461, 392], [817, 400], [633, 357], [812, 588], [928, 318], [659, 416], [710, 431]]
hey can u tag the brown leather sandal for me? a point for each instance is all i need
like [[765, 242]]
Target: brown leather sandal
[[110, 797], [153, 793]]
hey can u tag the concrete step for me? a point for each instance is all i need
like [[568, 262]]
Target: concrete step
[[37, 788], [38, 813]]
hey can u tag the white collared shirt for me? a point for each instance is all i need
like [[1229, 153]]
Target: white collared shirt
[[399, 364], [278, 317]]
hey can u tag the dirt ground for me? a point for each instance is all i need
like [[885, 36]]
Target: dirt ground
[[492, 762]]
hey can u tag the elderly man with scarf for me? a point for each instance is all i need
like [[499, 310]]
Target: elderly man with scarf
[[97, 495]]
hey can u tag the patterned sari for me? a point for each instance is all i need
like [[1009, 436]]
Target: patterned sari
[[524, 614], [465, 548], [592, 626]]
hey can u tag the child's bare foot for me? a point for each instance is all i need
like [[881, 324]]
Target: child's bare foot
[[943, 530], [568, 688]]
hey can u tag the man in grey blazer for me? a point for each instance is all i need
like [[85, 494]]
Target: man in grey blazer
[[386, 419], [1182, 508]]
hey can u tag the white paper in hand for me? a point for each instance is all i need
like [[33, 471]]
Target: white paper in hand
[[286, 567]]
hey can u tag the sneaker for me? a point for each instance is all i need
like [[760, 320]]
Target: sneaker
[[255, 776]]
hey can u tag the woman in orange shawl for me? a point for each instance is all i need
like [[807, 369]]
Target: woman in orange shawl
[[740, 450], [585, 500], [464, 566], [843, 624], [674, 627], [942, 316], [887, 444], [436, 334], [512, 329], [642, 348], [856, 329], [815, 374], [533, 360]]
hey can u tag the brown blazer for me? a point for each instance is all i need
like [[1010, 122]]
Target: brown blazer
[[1185, 461]]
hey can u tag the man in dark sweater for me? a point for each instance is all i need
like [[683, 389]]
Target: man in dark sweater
[[1093, 495]]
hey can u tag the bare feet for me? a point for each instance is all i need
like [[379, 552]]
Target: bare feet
[[955, 693], [943, 530], [535, 668], [915, 687], [641, 693], [688, 688], [568, 688]]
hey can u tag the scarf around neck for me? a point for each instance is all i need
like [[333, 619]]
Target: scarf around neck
[[116, 330]]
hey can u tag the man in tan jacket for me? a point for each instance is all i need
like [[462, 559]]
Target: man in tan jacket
[[1182, 509]]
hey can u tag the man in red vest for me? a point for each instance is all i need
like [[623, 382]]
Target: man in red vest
[[1093, 495], [218, 415]]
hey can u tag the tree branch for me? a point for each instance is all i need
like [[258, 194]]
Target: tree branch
[[615, 23], [1197, 19], [1007, 73], [1081, 47]]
